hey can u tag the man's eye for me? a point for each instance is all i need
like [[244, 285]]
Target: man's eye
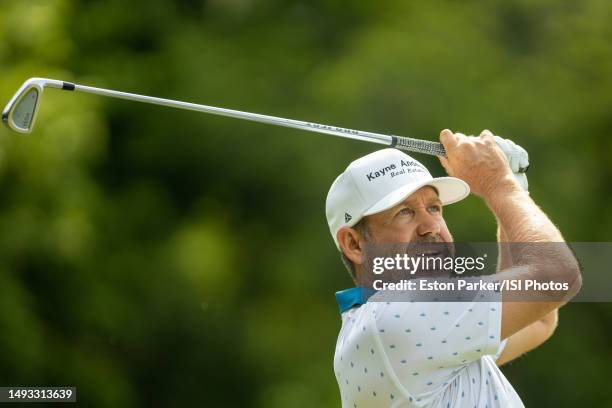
[[435, 209], [406, 211]]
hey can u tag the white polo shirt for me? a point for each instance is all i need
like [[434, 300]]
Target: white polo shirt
[[420, 354]]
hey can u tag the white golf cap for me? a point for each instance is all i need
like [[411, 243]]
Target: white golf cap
[[379, 181]]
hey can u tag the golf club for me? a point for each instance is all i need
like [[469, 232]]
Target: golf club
[[20, 115]]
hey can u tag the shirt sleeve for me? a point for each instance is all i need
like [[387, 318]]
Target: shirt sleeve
[[444, 334], [500, 349]]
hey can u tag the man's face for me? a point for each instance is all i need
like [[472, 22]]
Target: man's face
[[417, 219]]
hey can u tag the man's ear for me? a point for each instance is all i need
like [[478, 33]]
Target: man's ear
[[350, 244]]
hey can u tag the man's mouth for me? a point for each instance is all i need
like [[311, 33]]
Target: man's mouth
[[431, 250], [433, 253]]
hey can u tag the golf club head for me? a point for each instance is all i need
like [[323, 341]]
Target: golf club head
[[20, 113]]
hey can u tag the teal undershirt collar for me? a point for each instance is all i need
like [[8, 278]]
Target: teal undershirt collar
[[352, 297]]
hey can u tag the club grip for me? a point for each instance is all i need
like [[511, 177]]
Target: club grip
[[425, 147], [418, 145]]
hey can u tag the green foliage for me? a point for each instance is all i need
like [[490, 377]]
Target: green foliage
[[158, 257]]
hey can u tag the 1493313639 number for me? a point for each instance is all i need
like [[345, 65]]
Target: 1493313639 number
[[47, 394]]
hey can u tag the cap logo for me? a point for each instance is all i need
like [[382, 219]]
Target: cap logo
[[416, 168], [375, 174], [347, 217]]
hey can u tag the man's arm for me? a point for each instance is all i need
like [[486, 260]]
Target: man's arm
[[480, 163], [529, 338], [536, 333]]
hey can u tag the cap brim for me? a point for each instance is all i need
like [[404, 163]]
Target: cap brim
[[450, 190]]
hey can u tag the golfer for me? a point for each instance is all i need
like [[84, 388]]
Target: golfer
[[439, 354]]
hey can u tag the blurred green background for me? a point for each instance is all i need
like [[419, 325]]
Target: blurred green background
[[154, 257]]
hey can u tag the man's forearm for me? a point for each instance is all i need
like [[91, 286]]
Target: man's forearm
[[534, 244], [505, 262], [520, 219], [539, 257]]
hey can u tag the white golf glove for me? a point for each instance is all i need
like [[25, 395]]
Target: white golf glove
[[517, 157]]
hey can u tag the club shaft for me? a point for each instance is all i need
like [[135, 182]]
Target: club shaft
[[404, 143]]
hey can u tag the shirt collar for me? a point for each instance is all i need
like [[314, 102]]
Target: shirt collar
[[356, 296]]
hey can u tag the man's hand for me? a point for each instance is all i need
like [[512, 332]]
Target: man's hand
[[479, 161]]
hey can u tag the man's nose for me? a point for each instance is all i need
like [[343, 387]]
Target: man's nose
[[428, 225]]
